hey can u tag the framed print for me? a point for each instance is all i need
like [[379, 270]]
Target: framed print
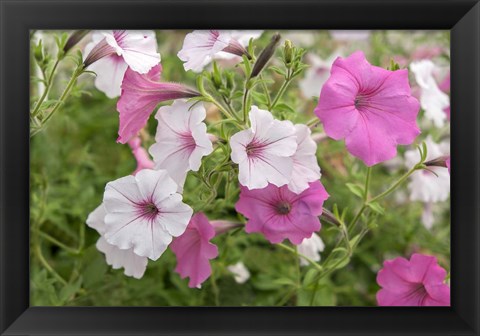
[[237, 168]]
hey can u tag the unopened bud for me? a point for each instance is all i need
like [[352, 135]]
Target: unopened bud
[[438, 162], [265, 56], [222, 226], [76, 37], [288, 52]]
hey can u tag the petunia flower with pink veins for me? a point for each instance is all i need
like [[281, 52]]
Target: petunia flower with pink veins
[[194, 250], [279, 213], [201, 46], [133, 264], [370, 107], [181, 139], [264, 151], [140, 154], [419, 281], [305, 164], [144, 213], [111, 52], [140, 95]]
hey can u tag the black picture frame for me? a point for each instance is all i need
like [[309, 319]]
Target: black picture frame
[[17, 17]]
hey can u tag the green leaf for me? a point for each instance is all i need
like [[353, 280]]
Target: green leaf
[[279, 71], [356, 189], [377, 208]]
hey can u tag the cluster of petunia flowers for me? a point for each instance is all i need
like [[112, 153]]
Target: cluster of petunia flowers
[[281, 195]]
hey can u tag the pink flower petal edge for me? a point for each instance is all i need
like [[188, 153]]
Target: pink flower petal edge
[[194, 250], [140, 95]]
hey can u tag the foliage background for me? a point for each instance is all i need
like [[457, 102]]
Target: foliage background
[[76, 155]]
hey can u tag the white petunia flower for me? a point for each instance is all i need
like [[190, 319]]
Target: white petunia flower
[[264, 151], [311, 248], [305, 164], [316, 75], [133, 264], [144, 212], [111, 52], [201, 46], [425, 186], [181, 139], [240, 272], [433, 100]]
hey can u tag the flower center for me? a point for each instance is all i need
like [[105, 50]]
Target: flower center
[[360, 101], [148, 210], [283, 208], [254, 149]]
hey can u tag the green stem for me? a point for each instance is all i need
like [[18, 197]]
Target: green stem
[[65, 93], [244, 106], [36, 109], [281, 91], [44, 262], [367, 184], [396, 184], [265, 90], [56, 242], [313, 263]]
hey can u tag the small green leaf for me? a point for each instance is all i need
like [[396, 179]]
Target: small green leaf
[[356, 189], [377, 208]]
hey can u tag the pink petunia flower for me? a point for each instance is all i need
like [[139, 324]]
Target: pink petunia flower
[[264, 151], [305, 164], [133, 264], [140, 95], [370, 107], [181, 139], [194, 250], [447, 162], [201, 46], [140, 154], [279, 213], [111, 52], [144, 213], [415, 282]]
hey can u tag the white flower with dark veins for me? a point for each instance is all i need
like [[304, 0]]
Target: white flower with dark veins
[[133, 264], [201, 46], [264, 151], [181, 139], [111, 52], [144, 212]]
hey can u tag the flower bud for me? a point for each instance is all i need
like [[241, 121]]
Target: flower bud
[[288, 52], [222, 226], [76, 37], [265, 56], [438, 162]]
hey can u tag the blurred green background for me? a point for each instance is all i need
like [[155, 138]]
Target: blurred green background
[[76, 155]]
